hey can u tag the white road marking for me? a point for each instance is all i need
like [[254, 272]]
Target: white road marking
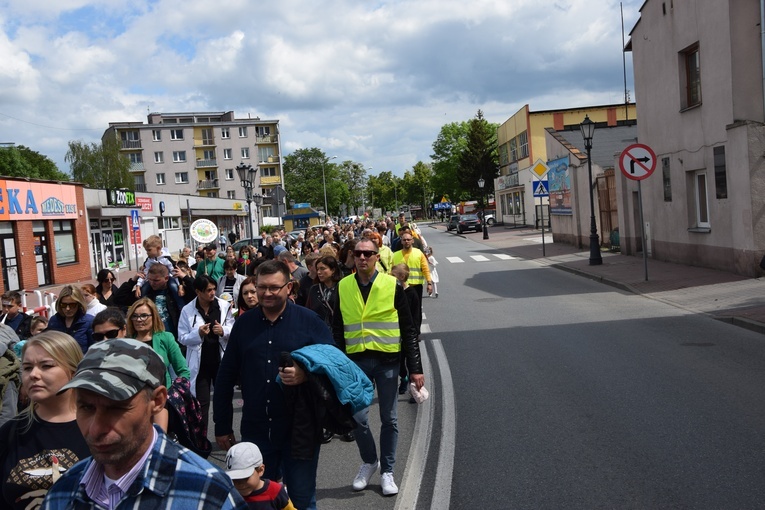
[[479, 258], [503, 256], [455, 260], [425, 328]]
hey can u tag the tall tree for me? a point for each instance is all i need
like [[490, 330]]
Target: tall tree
[[354, 175], [100, 165], [451, 141], [20, 161], [478, 159], [305, 173]]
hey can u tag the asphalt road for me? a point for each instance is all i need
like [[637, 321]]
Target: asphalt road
[[552, 391], [571, 394]]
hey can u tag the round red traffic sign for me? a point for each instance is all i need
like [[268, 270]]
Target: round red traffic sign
[[637, 161]]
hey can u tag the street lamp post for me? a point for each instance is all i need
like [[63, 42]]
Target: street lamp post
[[246, 178], [324, 182], [258, 201], [481, 184], [588, 130]]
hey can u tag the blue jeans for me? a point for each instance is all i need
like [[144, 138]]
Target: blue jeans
[[298, 475], [385, 378]]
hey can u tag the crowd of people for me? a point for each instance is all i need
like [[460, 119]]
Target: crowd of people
[[308, 327]]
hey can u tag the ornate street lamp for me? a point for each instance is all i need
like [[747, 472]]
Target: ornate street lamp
[[481, 184], [246, 180], [257, 199], [588, 130]]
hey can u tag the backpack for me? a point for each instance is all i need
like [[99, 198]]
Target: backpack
[[186, 422]]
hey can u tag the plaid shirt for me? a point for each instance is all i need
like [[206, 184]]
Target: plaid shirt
[[173, 478]]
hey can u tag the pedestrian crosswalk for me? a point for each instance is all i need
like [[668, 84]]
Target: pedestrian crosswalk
[[482, 258]]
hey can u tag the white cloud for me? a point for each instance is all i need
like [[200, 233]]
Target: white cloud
[[367, 81]]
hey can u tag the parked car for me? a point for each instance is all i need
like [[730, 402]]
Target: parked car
[[490, 219], [463, 222], [246, 242]]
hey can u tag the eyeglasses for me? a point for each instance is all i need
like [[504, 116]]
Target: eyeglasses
[[112, 333], [273, 289], [110, 279], [140, 317], [365, 253], [66, 306], [407, 239]]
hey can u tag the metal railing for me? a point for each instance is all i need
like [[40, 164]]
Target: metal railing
[[206, 163], [131, 144], [208, 184]]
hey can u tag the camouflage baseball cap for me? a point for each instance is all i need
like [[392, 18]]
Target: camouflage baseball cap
[[118, 369]]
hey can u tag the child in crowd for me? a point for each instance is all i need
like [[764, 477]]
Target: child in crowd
[[244, 464], [432, 263], [153, 247], [401, 272]]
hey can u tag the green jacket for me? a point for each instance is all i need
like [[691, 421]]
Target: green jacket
[[164, 344]]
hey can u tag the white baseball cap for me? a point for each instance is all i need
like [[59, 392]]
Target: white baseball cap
[[242, 459]]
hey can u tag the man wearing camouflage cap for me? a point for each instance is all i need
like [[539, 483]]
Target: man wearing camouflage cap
[[133, 464]]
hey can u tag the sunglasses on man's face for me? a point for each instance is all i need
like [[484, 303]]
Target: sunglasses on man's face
[[111, 334], [365, 253]]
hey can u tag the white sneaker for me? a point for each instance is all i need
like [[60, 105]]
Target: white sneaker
[[389, 487], [365, 473]]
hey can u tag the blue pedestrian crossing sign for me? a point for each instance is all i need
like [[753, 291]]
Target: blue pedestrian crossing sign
[[135, 220], [541, 189]]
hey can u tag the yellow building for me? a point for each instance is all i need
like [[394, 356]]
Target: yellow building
[[521, 142]]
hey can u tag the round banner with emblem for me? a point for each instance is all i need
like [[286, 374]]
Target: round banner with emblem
[[204, 231]]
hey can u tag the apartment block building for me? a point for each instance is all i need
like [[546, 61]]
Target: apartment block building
[[699, 88], [197, 153]]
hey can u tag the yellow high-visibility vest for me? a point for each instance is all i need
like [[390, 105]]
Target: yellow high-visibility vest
[[414, 262], [370, 326]]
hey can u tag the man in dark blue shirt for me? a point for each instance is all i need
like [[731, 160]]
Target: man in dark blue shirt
[[253, 356], [13, 317]]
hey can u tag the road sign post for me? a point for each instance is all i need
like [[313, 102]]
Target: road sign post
[[638, 162], [541, 189], [135, 221]]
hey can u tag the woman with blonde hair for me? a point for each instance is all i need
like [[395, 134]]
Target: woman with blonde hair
[[44, 440], [71, 317]]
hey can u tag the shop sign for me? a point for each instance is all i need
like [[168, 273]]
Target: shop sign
[[21, 200], [120, 198], [145, 203]]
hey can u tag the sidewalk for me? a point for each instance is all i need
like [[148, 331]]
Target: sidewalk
[[724, 296]]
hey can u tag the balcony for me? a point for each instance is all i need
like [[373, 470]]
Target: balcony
[[270, 181], [131, 144], [140, 187], [137, 167], [208, 184], [204, 142], [266, 139], [271, 159], [207, 163]]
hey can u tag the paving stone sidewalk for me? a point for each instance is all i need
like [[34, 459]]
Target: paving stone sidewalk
[[725, 296]]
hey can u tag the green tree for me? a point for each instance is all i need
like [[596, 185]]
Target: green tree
[[21, 161], [99, 165], [303, 170], [354, 176], [450, 143], [478, 159]]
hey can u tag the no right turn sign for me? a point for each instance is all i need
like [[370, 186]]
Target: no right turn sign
[[637, 162]]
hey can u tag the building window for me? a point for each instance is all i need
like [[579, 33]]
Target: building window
[[268, 171], [229, 174], [245, 152], [176, 134], [503, 154], [666, 179], [513, 150], [160, 178], [690, 76], [700, 193], [264, 130], [63, 232], [523, 145], [181, 177], [169, 222], [135, 157], [264, 153], [212, 194], [227, 154], [179, 156], [225, 133], [231, 194], [243, 132], [721, 178], [159, 157], [156, 135]]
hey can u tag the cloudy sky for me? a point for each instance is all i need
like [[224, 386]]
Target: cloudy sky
[[368, 81]]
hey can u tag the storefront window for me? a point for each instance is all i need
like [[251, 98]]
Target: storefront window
[[63, 233]]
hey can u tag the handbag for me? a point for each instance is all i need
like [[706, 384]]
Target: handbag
[[186, 422]]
